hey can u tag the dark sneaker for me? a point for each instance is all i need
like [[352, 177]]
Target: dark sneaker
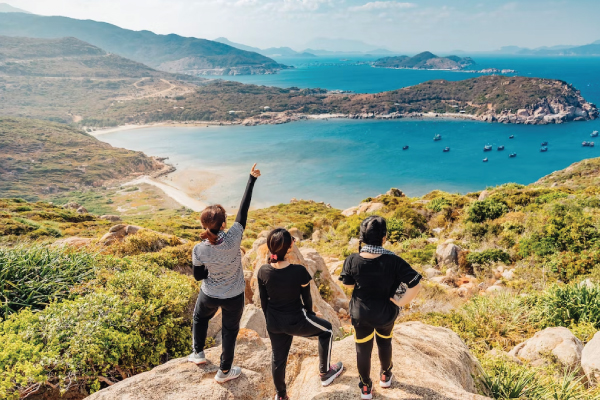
[[386, 379], [334, 372], [365, 391], [197, 358], [233, 373], [281, 398]]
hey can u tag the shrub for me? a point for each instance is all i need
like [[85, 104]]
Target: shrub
[[31, 277], [488, 257], [395, 230], [133, 322], [144, 241], [438, 204], [503, 380], [485, 210], [569, 305], [568, 265]]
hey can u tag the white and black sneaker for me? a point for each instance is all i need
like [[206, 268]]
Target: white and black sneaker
[[197, 358], [334, 372], [386, 379], [365, 391], [233, 373]]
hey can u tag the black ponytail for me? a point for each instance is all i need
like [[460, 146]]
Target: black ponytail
[[279, 242]]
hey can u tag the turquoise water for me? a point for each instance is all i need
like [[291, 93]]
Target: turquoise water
[[343, 161]]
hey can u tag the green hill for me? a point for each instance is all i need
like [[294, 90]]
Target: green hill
[[39, 158], [425, 60], [171, 53]]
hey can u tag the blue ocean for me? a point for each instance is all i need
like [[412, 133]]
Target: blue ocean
[[343, 161]]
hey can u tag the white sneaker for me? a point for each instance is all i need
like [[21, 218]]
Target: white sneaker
[[197, 358], [386, 381], [233, 373]]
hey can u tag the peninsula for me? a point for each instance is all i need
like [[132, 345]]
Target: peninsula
[[70, 81]]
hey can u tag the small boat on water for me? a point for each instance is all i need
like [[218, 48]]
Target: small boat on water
[[500, 148], [485, 160], [405, 148], [544, 144], [594, 134], [587, 144], [511, 137], [512, 155], [487, 147], [446, 149], [437, 137], [544, 149]]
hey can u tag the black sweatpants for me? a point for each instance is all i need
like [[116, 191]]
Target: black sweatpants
[[363, 337], [282, 329], [232, 310]]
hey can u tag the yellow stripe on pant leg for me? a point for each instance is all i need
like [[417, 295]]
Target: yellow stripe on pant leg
[[370, 337], [384, 337]]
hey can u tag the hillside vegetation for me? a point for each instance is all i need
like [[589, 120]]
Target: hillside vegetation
[[107, 312], [172, 53], [39, 158]]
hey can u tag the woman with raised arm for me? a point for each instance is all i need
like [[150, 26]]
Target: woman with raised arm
[[376, 274], [217, 262], [286, 301]]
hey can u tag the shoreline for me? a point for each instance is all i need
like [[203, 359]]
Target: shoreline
[[176, 194]]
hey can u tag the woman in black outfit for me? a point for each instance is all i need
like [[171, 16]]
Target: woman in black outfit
[[376, 274], [286, 301]]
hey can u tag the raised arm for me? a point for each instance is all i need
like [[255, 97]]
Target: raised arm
[[242, 216]]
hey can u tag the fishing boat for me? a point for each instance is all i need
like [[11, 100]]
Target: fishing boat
[[485, 160], [437, 137], [487, 147], [586, 144], [544, 144], [511, 137], [544, 149], [446, 149], [405, 148], [500, 148], [594, 134], [512, 155]]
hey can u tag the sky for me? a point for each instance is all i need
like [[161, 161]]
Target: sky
[[411, 26]]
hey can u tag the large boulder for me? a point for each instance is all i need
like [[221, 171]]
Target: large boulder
[[558, 342], [253, 318], [590, 360], [318, 270], [369, 208], [447, 253], [350, 211], [430, 363], [111, 218]]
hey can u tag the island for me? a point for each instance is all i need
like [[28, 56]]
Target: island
[[425, 60]]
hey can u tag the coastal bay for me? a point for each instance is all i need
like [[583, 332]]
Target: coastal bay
[[340, 161]]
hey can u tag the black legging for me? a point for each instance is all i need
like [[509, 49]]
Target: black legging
[[364, 347], [232, 310], [282, 330]]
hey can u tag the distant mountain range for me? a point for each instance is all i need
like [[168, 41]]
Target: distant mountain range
[[7, 8], [171, 53], [325, 47], [425, 60], [270, 52]]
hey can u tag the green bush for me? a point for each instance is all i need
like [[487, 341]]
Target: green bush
[[485, 210], [395, 230], [569, 305], [438, 204], [569, 265], [503, 380], [132, 322], [31, 277], [488, 257]]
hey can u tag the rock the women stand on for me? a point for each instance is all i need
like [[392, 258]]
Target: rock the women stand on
[[217, 262]]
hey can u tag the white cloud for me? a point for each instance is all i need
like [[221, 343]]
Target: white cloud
[[383, 5]]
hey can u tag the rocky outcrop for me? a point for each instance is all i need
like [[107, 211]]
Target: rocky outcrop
[[431, 363], [558, 342], [363, 208], [111, 218], [253, 318], [447, 253], [590, 360], [316, 266]]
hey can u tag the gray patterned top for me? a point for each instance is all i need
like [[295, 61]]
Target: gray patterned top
[[224, 264]]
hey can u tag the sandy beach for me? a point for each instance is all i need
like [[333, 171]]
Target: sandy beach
[[173, 192]]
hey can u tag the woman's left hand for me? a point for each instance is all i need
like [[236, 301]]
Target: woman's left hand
[[255, 172]]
